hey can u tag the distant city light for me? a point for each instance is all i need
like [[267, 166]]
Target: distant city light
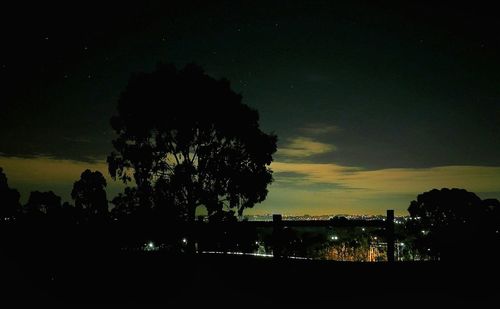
[[363, 229], [253, 254], [184, 241], [151, 245]]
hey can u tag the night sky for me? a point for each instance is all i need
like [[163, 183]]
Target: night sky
[[372, 103]]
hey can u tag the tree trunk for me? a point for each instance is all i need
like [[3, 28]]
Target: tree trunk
[[191, 212], [191, 229]]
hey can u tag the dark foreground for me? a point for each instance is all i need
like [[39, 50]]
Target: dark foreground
[[155, 277]]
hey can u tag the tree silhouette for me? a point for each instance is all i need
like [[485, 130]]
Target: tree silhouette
[[70, 214], [492, 216], [43, 203], [9, 199], [189, 136], [89, 194], [445, 221], [126, 204]]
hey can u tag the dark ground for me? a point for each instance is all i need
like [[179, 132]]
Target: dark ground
[[155, 277]]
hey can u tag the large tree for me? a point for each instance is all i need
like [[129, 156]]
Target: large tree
[[9, 199], [188, 138], [89, 194]]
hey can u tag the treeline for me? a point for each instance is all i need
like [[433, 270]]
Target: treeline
[[90, 204], [45, 224], [88, 194]]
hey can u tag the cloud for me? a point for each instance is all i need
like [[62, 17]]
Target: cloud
[[303, 147], [335, 189], [46, 173], [314, 188], [394, 180], [299, 201], [312, 172], [38, 169], [318, 129], [77, 139]]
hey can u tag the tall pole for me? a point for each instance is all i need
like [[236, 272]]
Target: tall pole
[[389, 228], [277, 236]]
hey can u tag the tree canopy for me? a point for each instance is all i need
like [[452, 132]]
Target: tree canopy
[[446, 207], [446, 221], [89, 193], [187, 140], [40, 203]]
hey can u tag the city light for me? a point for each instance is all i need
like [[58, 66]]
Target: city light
[[150, 246], [253, 254], [184, 241]]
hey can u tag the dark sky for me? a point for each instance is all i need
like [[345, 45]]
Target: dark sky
[[358, 85]]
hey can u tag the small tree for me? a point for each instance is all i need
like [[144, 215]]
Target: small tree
[[187, 138], [43, 203], [89, 194]]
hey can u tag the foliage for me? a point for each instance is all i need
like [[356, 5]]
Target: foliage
[[444, 222], [43, 203], [187, 139], [89, 194]]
